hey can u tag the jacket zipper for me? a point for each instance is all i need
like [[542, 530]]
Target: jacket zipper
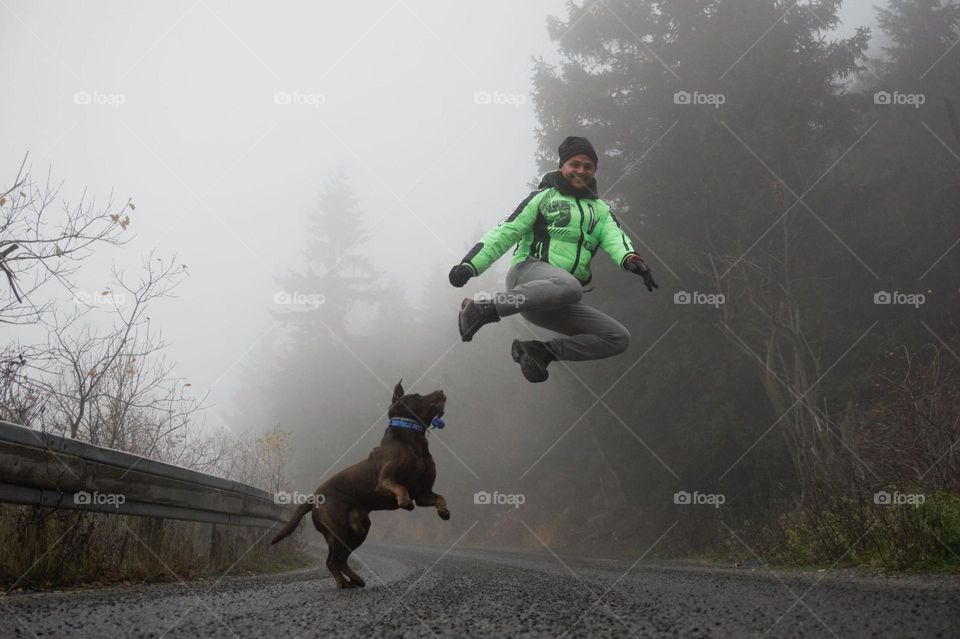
[[576, 261]]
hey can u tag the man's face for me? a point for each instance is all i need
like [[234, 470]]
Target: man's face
[[579, 170]]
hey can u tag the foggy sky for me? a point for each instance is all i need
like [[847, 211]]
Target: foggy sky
[[222, 174]]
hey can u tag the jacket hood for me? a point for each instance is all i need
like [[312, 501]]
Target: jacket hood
[[556, 180]]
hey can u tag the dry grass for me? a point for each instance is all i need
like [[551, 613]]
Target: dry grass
[[42, 548]]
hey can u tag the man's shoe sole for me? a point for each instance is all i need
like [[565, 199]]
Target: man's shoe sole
[[528, 366], [465, 333]]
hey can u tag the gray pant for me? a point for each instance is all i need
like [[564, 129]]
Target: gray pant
[[548, 296]]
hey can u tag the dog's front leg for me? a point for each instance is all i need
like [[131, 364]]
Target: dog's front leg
[[387, 485], [433, 499]]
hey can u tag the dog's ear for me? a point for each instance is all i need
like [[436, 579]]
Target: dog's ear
[[397, 392]]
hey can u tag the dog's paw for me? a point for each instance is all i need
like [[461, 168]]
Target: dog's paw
[[444, 514], [406, 504]]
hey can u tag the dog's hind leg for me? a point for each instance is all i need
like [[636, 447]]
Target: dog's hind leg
[[333, 561], [337, 564], [359, 527], [334, 523], [343, 553]]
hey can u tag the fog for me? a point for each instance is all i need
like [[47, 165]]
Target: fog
[[226, 123], [222, 176]]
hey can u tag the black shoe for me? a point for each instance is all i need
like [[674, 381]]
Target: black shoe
[[473, 315], [533, 357]]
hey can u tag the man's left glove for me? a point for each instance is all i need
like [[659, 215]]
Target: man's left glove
[[460, 275], [635, 264]]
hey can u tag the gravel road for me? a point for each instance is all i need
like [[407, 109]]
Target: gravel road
[[423, 591]]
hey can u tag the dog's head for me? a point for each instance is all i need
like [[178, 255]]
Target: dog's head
[[422, 408]]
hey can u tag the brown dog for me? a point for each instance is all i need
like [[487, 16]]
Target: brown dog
[[399, 472]]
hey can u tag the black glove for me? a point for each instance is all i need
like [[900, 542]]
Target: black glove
[[635, 264], [460, 275]]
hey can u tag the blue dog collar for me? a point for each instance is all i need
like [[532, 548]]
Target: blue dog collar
[[402, 422]]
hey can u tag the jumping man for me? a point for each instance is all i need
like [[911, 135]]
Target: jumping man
[[556, 229]]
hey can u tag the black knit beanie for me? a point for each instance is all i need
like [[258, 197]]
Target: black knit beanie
[[574, 145]]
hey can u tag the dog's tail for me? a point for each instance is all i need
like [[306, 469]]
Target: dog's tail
[[298, 514]]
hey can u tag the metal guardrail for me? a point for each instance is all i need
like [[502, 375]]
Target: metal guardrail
[[41, 469]]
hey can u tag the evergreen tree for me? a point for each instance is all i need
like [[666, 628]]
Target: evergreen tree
[[690, 182], [316, 381], [337, 271]]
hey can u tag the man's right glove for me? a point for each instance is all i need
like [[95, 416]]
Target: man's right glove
[[635, 264], [460, 275]]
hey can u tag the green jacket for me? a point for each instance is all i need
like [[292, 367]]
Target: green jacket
[[558, 225]]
